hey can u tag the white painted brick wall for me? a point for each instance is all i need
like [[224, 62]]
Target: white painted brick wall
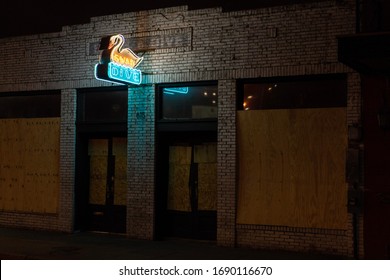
[[299, 39], [224, 46]]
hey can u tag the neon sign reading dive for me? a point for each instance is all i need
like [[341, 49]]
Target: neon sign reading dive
[[118, 72], [116, 64]]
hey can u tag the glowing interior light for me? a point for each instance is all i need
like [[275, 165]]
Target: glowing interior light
[[173, 90], [117, 64], [205, 93], [244, 104], [214, 94], [214, 102], [250, 97], [270, 88]]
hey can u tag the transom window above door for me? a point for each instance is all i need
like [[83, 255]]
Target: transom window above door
[[188, 101], [102, 105]]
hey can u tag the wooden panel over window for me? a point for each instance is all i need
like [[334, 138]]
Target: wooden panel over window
[[292, 167], [29, 165]]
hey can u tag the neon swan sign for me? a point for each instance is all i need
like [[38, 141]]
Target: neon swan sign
[[117, 64]]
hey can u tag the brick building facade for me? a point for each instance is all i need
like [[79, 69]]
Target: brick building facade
[[182, 47]]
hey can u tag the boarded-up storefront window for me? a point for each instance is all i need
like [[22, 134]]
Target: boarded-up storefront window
[[29, 149], [292, 154]]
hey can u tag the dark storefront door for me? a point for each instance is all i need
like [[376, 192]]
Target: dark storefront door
[[192, 190], [107, 161], [101, 159], [186, 160], [376, 125]]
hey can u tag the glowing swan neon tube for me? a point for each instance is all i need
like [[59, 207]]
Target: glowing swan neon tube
[[117, 64]]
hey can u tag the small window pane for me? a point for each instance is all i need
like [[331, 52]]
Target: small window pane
[[192, 102], [30, 105], [103, 106]]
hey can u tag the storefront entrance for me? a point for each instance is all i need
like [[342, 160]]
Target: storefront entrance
[[186, 166], [376, 125], [101, 160], [101, 183], [187, 184], [107, 162]]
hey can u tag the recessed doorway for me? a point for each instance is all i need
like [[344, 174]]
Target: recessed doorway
[[187, 185], [107, 165], [101, 160], [186, 166]]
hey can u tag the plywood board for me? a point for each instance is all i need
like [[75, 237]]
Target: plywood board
[[98, 156], [119, 146], [205, 156], [292, 167], [179, 174], [178, 189], [205, 153], [180, 154], [97, 179], [29, 164], [120, 186], [119, 150], [98, 147], [207, 186]]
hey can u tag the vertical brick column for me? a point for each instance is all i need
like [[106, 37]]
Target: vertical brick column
[[67, 159], [140, 164], [226, 181], [354, 118]]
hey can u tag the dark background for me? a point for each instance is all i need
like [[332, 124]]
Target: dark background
[[24, 17]]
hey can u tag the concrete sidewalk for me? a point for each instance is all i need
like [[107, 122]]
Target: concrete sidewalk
[[41, 245]]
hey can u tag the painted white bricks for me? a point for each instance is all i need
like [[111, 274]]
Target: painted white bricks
[[67, 160], [291, 40], [226, 158], [140, 163], [224, 45]]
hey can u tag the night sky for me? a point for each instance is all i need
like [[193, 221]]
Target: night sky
[[27, 17], [31, 17]]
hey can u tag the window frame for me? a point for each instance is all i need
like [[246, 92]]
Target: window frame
[[81, 104], [190, 124], [286, 79], [51, 114]]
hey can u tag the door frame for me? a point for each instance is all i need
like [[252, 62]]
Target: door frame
[[177, 129], [376, 178], [82, 220], [166, 139], [106, 124]]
